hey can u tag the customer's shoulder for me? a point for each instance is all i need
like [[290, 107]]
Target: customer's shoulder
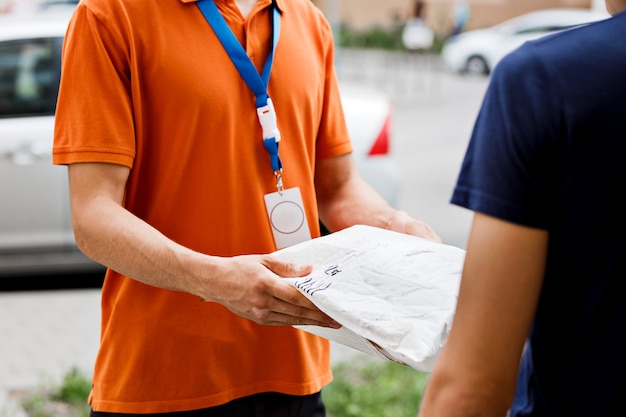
[[588, 38], [582, 47]]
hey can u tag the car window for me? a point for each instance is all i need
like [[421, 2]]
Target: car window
[[544, 28], [29, 77]]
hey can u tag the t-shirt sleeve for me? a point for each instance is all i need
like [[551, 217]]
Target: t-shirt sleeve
[[333, 138], [94, 116], [508, 170]]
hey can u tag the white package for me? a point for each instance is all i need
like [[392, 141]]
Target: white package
[[394, 294]]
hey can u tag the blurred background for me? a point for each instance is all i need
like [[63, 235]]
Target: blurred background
[[443, 16]]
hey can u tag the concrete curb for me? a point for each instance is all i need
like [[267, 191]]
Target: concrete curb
[[9, 407]]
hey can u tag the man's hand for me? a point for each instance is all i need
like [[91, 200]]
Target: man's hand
[[251, 287], [404, 223]]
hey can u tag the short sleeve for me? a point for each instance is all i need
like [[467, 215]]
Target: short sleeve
[[509, 167], [94, 116]]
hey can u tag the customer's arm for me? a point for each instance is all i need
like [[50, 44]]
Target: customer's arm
[[249, 286], [345, 199], [502, 277]]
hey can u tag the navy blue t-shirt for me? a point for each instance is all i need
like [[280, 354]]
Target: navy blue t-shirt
[[548, 151]]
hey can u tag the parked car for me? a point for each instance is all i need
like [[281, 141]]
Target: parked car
[[35, 225], [476, 52]]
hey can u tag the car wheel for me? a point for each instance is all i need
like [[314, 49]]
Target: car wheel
[[476, 65]]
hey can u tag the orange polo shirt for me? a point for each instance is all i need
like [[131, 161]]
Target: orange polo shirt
[[146, 84]]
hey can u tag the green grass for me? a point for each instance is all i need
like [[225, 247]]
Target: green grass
[[75, 388], [68, 400], [364, 388], [386, 38], [374, 389]]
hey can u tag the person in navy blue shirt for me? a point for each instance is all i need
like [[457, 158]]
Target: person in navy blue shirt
[[540, 325]]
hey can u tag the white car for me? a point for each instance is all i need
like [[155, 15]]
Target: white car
[[36, 234], [476, 52]]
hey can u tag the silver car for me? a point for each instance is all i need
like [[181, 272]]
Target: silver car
[[35, 226]]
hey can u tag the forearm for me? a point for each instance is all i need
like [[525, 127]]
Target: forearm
[[248, 285], [111, 235], [476, 373], [345, 199], [460, 392], [356, 203], [114, 237]]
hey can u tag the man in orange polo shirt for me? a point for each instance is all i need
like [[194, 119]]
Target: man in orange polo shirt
[[178, 187]]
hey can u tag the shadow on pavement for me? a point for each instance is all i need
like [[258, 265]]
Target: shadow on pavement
[[51, 282]]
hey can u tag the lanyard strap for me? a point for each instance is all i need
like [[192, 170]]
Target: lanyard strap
[[256, 82]]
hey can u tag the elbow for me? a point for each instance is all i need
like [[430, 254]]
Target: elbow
[[454, 398], [81, 238], [85, 234]]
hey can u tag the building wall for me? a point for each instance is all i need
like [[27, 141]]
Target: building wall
[[488, 12], [365, 14]]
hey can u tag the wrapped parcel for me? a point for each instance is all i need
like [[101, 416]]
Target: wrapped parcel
[[394, 294]]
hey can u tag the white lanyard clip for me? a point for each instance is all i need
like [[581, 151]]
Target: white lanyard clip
[[267, 118]]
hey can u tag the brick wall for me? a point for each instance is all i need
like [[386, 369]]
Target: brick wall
[[364, 14]]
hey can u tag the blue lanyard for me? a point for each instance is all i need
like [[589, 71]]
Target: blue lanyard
[[256, 82]]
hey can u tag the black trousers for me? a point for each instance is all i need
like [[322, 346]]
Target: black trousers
[[268, 404]]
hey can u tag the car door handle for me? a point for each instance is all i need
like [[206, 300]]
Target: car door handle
[[28, 154]]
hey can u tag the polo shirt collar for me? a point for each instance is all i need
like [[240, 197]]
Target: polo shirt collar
[[279, 3]]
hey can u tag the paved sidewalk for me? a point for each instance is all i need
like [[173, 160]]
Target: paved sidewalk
[[44, 334]]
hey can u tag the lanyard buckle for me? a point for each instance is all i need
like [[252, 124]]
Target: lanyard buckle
[[267, 119]]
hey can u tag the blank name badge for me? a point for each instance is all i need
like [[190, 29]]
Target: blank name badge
[[287, 217]]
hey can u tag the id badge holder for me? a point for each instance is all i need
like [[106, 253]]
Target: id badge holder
[[285, 209], [287, 217]]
